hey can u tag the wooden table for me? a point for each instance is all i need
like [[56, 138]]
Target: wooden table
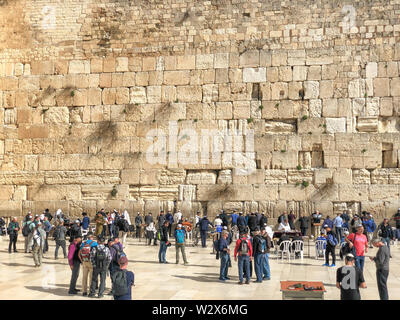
[[300, 293]]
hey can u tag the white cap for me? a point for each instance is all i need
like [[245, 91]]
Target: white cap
[[179, 225], [77, 221]]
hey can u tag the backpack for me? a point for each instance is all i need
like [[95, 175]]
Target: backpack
[[85, 252], [119, 283], [262, 245], [119, 253], [100, 258], [244, 247], [180, 236], [25, 230], [124, 225]]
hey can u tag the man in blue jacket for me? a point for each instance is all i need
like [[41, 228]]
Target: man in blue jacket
[[85, 224], [370, 227], [204, 223], [223, 248], [170, 218], [234, 218], [331, 243]]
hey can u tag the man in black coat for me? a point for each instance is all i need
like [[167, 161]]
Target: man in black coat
[[252, 222]]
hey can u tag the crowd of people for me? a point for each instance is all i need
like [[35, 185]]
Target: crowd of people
[[100, 250]]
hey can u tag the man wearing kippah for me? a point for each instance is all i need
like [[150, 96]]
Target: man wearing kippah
[[349, 279]]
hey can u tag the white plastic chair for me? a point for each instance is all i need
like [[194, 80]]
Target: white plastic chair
[[298, 247], [284, 248], [319, 248]]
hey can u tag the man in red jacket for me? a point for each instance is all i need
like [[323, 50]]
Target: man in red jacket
[[244, 250]]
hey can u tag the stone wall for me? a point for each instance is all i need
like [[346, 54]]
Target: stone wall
[[83, 82]]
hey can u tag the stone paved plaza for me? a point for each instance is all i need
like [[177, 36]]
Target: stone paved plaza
[[199, 280]]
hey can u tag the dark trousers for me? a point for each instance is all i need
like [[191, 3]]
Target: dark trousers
[[74, 276], [203, 235], [170, 229], [60, 243], [96, 273], [162, 252], [339, 234], [303, 231], [381, 278], [259, 260], [244, 263], [330, 249], [46, 243], [138, 231], [223, 270], [13, 242]]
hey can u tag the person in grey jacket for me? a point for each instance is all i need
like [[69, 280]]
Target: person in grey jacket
[[59, 236], [382, 267], [39, 236]]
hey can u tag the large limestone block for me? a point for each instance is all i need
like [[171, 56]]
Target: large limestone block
[[79, 66], [334, 125], [54, 192], [121, 64], [277, 127], [290, 192], [353, 192], [367, 124], [27, 131], [233, 206], [342, 176], [249, 58], [6, 193], [187, 193], [224, 177], [284, 160], [189, 93], [371, 70], [361, 176], [82, 177], [381, 87], [263, 192], [186, 62], [326, 89], [172, 177], [138, 95], [57, 115], [130, 176], [383, 192], [311, 89], [204, 61], [323, 176], [201, 177], [296, 176], [224, 192], [221, 60], [176, 78], [395, 87], [254, 74], [313, 125]]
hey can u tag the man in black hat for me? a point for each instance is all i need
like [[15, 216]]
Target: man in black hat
[[259, 250]]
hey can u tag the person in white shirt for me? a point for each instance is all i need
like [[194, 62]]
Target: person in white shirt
[[197, 217], [269, 231], [151, 233], [122, 233], [217, 221], [284, 226], [177, 217]]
